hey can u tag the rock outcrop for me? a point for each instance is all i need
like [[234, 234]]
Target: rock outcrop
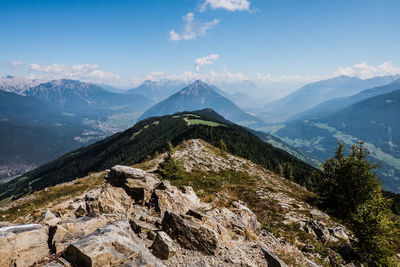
[[110, 245], [136, 219], [22, 245], [163, 246], [189, 234]]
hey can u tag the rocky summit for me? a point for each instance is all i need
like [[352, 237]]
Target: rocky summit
[[130, 216]]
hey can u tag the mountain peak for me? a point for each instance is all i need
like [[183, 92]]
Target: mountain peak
[[198, 88], [200, 82]]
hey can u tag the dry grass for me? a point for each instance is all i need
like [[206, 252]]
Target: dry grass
[[249, 235], [32, 205]]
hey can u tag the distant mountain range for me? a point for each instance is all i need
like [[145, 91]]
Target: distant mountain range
[[158, 90], [331, 106], [374, 120], [18, 85], [85, 98], [314, 94], [200, 95], [41, 122]]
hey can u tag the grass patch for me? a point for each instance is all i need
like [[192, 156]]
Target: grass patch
[[51, 195], [202, 122]]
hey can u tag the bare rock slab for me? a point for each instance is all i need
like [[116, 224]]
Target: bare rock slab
[[272, 260], [190, 235], [163, 246], [22, 245], [111, 245]]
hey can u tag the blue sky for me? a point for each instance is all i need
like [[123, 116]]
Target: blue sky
[[122, 42]]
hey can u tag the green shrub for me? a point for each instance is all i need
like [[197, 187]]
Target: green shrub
[[170, 168]]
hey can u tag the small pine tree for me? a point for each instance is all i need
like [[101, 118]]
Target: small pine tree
[[347, 181], [170, 168], [170, 148], [222, 146], [372, 229], [288, 171], [279, 170]]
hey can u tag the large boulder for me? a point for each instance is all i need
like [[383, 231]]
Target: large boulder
[[339, 232], [189, 234], [48, 218], [170, 198], [22, 245], [61, 235], [114, 200], [324, 233], [238, 218], [318, 215], [317, 229], [141, 189], [137, 183], [142, 228], [110, 245], [163, 246], [272, 260], [118, 175]]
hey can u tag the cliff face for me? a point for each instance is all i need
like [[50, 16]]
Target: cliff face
[[225, 211]]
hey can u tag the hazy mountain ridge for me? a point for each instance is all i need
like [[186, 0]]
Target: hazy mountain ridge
[[80, 97], [331, 106], [315, 93], [158, 90]]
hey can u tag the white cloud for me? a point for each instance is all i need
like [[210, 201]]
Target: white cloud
[[365, 71], [173, 36], [36, 67], [84, 72], [207, 60], [16, 64], [192, 28], [268, 78], [230, 5], [212, 77]]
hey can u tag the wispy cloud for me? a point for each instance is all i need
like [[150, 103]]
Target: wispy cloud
[[16, 64], [207, 60], [365, 71], [192, 28], [230, 5], [84, 72]]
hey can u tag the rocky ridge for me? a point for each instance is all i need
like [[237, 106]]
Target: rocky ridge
[[136, 219]]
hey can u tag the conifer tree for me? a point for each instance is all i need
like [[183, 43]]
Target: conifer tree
[[222, 146], [351, 190], [371, 226], [288, 171], [348, 181], [170, 168]]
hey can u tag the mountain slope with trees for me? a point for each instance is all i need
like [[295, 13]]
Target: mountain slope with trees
[[150, 136]]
